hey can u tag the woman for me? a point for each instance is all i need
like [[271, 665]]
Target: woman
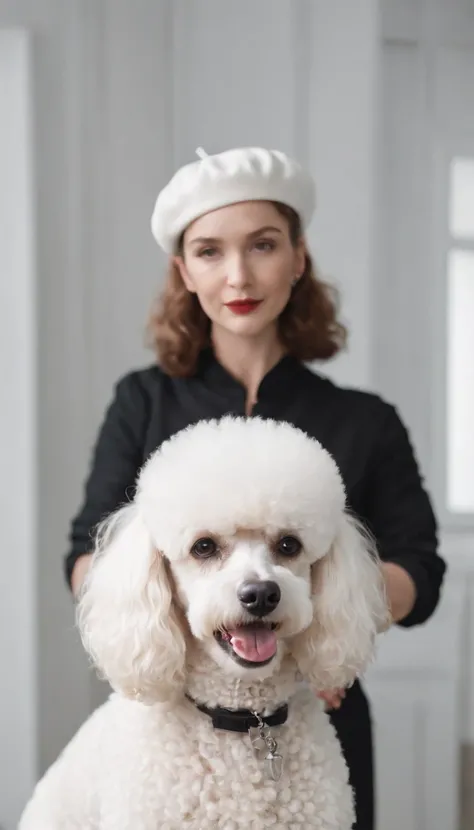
[[241, 311]]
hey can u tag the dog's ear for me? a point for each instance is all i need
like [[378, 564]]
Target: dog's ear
[[126, 613], [349, 609]]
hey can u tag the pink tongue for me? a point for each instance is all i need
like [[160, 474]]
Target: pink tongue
[[254, 644]]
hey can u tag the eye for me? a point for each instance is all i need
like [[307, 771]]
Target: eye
[[207, 253], [204, 548], [265, 245], [289, 546]]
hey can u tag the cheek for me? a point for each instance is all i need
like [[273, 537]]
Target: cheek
[[187, 576], [282, 294], [209, 598], [275, 282], [294, 582], [296, 603], [208, 290]]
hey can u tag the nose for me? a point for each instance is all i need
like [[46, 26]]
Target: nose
[[238, 275], [259, 598]]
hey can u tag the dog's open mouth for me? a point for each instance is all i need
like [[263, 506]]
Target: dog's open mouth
[[254, 644]]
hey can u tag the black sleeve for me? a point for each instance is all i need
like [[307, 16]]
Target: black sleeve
[[401, 517], [116, 460]]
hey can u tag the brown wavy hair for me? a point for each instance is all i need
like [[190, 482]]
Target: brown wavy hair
[[178, 329]]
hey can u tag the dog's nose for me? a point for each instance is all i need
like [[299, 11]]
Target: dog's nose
[[259, 598]]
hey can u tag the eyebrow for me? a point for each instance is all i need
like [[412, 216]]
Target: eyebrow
[[207, 240]]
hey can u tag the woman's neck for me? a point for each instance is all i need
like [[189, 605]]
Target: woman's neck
[[247, 359]]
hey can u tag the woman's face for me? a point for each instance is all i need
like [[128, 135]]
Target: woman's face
[[240, 262]]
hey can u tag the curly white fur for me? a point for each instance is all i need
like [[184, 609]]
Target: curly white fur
[[149, 614]]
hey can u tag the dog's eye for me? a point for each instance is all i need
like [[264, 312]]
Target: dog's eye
[[204, 548], [289, 546]]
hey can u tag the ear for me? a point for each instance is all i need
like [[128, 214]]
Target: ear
[[349, 608], [184, 273], [126, 613], [300, 256]]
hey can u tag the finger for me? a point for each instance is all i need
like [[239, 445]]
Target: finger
[[333, 693], [332, 701]]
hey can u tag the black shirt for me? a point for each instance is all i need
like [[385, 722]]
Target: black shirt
[[363, 433]]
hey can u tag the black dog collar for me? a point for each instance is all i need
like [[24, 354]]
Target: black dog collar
[[241, 720]]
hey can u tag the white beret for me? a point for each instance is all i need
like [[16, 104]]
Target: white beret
[[241, 175]]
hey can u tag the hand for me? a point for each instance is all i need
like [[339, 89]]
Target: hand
[[79, 573], [332, 698], [401, 590]]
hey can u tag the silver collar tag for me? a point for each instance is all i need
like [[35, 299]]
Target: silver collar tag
[[262, 741]]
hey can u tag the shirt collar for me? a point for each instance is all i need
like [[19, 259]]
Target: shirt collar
[[278, 382]]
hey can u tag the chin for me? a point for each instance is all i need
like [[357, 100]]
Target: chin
[[246, 325], [252, 324]]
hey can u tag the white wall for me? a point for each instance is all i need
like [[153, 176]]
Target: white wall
[[122, 93], [342, 113], [44, 690], [127, 144], [18, 482]]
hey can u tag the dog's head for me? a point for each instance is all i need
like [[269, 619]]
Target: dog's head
[[237, 537]]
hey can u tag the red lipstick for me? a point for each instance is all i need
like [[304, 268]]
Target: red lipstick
[[243, 306]]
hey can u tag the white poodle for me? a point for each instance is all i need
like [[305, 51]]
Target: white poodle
[[233, 586]]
